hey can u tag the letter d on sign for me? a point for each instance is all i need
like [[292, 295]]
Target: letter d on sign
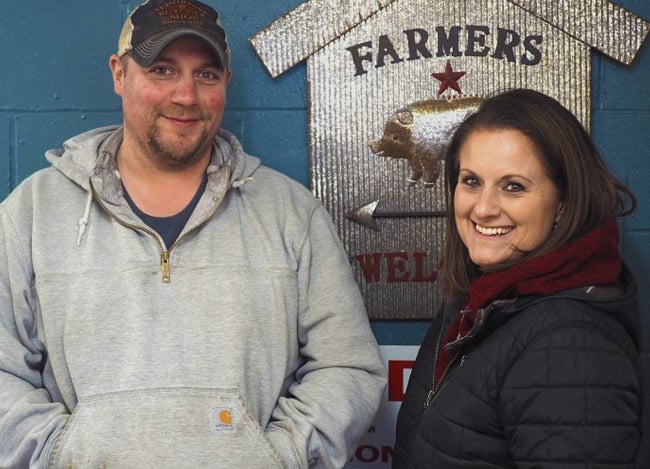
[[397, 370]]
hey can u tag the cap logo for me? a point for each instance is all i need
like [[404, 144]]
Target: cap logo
[[181, 12], [153, 25]]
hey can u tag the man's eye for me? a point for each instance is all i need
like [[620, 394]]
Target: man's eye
[[161, 70], [207, 76]]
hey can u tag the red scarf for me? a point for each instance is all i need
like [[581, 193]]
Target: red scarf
[[591, 260]]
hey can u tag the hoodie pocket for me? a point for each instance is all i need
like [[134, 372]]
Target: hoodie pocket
[[164, 428]]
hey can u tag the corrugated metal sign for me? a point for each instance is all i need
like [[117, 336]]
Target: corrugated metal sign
[[386, 91]]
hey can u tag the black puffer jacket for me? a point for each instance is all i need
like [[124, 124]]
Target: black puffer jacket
[[547, 382]]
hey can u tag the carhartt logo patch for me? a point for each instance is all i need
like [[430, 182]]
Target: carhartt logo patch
[[222, 419]]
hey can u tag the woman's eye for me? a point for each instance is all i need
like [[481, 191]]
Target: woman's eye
[[514, 187], [470, 181]]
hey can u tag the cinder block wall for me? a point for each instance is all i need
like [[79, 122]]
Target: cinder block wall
[[55, 83]]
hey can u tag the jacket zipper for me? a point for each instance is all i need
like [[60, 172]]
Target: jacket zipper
[[165, 269], [432, 391], [435, 387]]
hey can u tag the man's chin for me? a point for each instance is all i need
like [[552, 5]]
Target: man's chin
[[181, 157], [181, 150]]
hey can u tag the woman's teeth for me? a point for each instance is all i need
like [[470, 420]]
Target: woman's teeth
[[492, 231]]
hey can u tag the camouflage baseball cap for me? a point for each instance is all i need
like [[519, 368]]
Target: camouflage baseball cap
[[153, 25]]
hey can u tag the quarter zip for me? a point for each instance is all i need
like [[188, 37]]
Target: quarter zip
[[164, 256], [165, 267], [142, 228]]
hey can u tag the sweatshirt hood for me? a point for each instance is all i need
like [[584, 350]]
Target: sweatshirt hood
[[93, 152], [89, 160]]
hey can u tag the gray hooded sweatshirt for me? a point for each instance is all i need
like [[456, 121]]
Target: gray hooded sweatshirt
[[244, 345]]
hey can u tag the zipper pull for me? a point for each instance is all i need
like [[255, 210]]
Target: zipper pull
[[429, 398], [164, 265], [462, 360]]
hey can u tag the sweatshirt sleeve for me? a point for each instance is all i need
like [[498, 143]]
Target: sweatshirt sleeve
[[339, 388], [573, 398], [29, 420]]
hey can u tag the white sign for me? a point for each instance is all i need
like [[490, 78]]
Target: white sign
[[376, 449]]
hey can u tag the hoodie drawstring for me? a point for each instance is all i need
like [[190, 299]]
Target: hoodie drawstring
[[240, 182], [83, 221]]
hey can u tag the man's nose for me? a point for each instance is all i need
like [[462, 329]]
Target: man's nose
[[185, 91]]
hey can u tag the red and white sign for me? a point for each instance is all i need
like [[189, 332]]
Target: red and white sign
[[376, 449]]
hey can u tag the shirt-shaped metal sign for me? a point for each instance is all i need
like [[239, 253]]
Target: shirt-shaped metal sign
[[389, 80]]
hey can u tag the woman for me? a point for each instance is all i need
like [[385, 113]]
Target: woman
[[534, 361]]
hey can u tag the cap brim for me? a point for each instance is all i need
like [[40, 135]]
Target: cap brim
[[147, 51]]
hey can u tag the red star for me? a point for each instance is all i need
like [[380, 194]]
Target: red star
[[449, 79]]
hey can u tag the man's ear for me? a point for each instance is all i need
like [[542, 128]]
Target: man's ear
[[117, 72]]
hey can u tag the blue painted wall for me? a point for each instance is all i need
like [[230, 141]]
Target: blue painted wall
[[55, 83]]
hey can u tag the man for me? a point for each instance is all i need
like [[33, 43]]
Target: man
[[165, 300]]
